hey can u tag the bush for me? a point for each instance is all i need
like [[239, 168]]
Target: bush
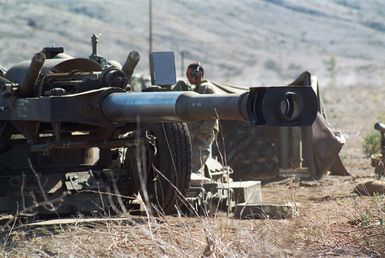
[[372, 143]]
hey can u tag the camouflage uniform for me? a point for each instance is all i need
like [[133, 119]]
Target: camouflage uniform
[[181, 86], [202, 133]]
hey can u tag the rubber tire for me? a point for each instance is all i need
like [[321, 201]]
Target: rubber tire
[[165, 189]]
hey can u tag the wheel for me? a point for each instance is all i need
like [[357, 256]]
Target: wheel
[[160, 165]]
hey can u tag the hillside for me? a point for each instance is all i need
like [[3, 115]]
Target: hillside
[[249, 42]]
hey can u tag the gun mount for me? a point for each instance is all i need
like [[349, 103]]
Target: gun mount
[[71, 129]]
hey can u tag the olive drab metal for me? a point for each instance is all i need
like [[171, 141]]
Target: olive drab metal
[[74, 137]]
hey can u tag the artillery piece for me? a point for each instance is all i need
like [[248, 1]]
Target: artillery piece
[[74, 137]]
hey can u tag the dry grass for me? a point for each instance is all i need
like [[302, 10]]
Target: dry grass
[[336, 224]]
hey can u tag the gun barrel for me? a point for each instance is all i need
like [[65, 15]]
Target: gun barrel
[[171, 106], [379, 127], [276, 106]]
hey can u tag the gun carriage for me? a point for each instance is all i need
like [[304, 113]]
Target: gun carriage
[[74, 137]]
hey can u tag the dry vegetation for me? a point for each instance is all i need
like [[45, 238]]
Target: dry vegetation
[[331, 225]]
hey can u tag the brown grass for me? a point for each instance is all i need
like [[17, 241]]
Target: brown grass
[[333, 225]]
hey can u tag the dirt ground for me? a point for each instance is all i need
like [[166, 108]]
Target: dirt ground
[[330, 219]]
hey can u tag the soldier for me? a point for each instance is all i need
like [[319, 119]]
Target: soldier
[[202, 133]]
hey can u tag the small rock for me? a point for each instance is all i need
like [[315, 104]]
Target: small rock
[[370, 188], [309, 184]]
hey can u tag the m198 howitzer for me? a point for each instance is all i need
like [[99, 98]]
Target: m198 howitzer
[[72, 127]]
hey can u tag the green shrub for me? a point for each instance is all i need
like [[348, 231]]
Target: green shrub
[[372, 143]]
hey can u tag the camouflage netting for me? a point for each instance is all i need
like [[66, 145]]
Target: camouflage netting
[[248, 150], [254, 152]]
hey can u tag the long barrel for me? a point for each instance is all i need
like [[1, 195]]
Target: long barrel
[[380, 127], [276, 106], [283, 106], [173, 106]]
